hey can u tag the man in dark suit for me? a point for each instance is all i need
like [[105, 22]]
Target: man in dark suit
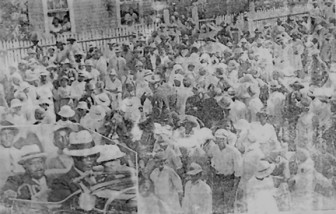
[[36, 47], [84, 153], [33, 184]]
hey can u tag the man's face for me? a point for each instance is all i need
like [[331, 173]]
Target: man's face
[[61, 139], [7, 138], [145, 189], [262, 119], [35, 167], [43, 78], [221, 142], [85, 163], [113, 77], [88, 68]]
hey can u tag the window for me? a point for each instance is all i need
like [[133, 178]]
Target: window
[[58, 14], [129, 12]]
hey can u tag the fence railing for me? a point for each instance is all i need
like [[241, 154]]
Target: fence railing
[[16, 50]]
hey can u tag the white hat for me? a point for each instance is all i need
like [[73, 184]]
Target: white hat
[[103, 99], [110, 152], [15, 103], [194, 169], [31, 76], [81, 145], [88, 63], [82, 105], [264, 169], [30, 152], [112, 72], [66, 111], [45, 101], [221, 133], [97, 112]]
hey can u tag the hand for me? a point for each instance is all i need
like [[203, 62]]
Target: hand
[[10, 194]]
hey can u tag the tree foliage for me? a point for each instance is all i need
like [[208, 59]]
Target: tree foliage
[[14, 22]]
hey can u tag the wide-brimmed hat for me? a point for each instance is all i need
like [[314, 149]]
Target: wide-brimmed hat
[[152, 78], [15, 103], [6, 125], [225, 102], [264, 169], [221, 133], [110, 152], [66, 111], [31, 76], [30, 152], [102, 99], [97, 112], [194, 169], [83, 105], [45, 101], [296, 85], [81, 145]]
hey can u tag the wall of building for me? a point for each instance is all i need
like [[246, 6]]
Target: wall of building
[[93, 15]]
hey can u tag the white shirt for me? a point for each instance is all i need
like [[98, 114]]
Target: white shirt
[[227, 161], [197, 198]]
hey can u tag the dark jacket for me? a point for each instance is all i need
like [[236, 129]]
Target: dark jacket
[[17, 182], [63, 186]]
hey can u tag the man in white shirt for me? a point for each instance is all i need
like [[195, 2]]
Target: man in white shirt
[[167, 184], [227, 168], [114, 87], [198, 195]]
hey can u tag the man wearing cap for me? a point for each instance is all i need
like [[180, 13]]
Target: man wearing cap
[[198, 195], [227, 169], [167, 184], [84, 153], [33, 184]]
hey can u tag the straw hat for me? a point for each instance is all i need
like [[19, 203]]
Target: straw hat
[[110, 152], [81, 145], [97, 112], [225, 103], [221, 133], [103, 99], [66, 111], [194, 169], [31, 76], [45, 101], [15, 103], [264, 169], [88, 63], [30, 152]]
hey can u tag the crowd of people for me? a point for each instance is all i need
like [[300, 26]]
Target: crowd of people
[[223, 119]]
